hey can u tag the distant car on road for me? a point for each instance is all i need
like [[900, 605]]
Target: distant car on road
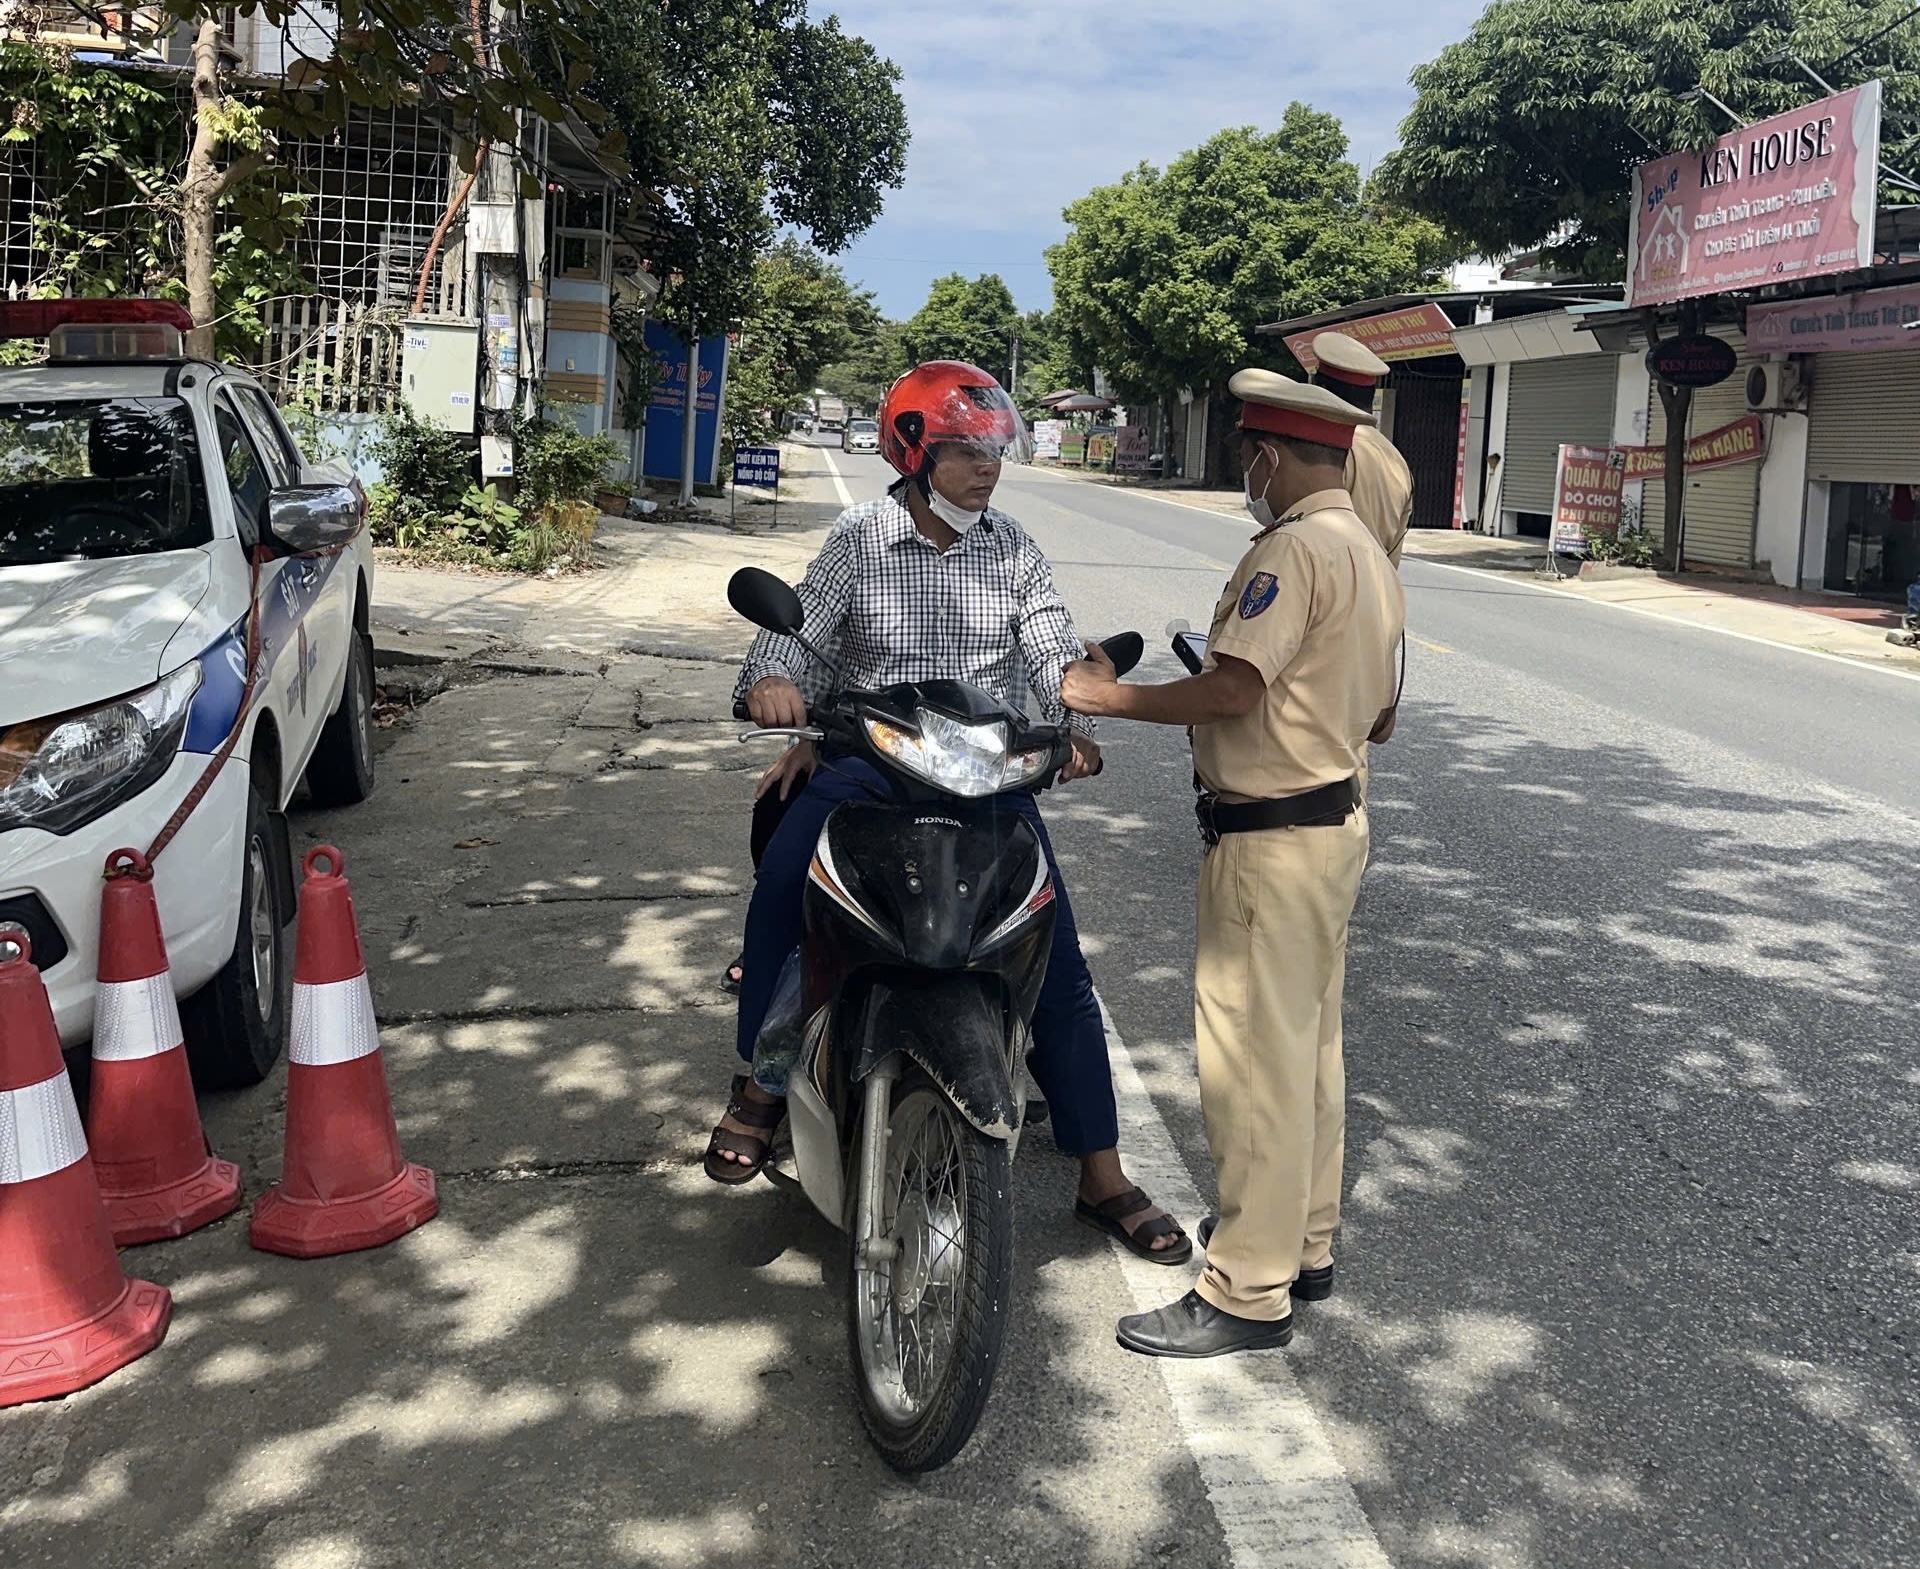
[[138, 488], [861, 435]]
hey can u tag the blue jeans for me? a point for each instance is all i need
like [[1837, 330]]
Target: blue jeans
[[1069, 1041]]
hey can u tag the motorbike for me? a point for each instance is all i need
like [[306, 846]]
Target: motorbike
[[928, 919]]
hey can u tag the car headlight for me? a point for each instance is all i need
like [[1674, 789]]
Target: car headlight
[[966, 760], [62, 772]]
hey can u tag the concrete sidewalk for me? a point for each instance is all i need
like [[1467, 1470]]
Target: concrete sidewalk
[[1831, 624]]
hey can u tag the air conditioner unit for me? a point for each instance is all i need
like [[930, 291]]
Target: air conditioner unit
[[1776, 386]]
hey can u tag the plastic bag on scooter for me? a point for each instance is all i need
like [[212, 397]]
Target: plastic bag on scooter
[[777, 1047]]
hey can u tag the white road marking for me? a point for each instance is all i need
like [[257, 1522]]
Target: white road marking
[[1679, 621], [1277, 1488], [839, 484]]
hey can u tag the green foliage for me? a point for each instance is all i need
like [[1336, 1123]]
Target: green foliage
[[553, 463], [738, 115], [111, 224], [1162, 276], [803, 315], [964, 319], [1527, 131], [875, 362], [429, 469]]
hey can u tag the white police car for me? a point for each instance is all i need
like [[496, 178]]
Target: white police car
[[136, 487]]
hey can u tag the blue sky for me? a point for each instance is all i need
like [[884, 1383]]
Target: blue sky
[[1017, 108]]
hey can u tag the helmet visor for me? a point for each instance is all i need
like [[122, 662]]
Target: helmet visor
[[979, 421]]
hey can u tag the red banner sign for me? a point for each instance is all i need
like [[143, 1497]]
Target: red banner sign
[[1855, 323], [1791, 197], [1415, 333], [1744, 441], [1586, 493]]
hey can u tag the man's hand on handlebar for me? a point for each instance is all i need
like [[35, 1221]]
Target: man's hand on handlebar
[[775, 702], [790, 771], [1084, 763]]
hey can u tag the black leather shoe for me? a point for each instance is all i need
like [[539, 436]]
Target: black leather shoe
[[1310, 1285], [1193, 1327]]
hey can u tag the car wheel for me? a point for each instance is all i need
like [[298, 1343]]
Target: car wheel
[[341, 771], [236, 1025]]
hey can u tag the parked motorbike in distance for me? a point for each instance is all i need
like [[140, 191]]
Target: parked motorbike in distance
[[928, 922]]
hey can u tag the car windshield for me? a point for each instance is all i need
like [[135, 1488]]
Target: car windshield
[[864, 427], [99, 477]]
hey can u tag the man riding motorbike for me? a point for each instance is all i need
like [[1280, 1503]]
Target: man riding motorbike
[[928, 583]]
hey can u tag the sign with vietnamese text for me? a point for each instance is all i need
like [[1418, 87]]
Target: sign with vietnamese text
[[1791, 197], [1073, 449], [1046, 437], [757, 466], [1848, 323], [1130, 450], [1586, 495], [667, 408], [1743, 441], [1702, 361], [1418, 332]]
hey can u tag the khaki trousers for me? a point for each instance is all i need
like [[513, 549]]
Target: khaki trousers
[[1270, 966]]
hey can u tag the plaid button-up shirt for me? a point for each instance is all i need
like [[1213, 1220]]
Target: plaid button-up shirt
[[891, 608]]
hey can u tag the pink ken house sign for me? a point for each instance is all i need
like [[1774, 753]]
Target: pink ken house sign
[[1792, 197]]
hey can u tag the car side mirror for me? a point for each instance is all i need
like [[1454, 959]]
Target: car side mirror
[[307, 519], [765, 601]]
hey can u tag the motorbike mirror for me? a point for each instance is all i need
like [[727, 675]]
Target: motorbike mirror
[[765, 601], [1124, 649]]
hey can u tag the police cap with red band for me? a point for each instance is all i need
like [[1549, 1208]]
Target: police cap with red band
[[1347, 360], [1276, 405]]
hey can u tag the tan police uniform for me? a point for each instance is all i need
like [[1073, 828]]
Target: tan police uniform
[[1316, 608], [1378, 478]]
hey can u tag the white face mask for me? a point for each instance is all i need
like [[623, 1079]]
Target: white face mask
[[1263, 514], [956, 518]]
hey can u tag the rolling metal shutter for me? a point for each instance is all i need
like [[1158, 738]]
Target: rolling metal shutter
[[1550, 404], [1864, 418], [1722, 504]]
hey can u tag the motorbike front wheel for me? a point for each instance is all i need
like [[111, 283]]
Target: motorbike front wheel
[[927, 1309]]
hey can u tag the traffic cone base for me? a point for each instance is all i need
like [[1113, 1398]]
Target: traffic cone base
[[42, 1367], [157, 1214], [68, 1316], [157, 1177], [319, 1228]]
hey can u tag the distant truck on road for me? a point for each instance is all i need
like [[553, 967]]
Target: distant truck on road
[[829, 414]]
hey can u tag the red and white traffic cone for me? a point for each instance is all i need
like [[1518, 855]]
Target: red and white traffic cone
[[68, 1317], [344, 1185], [156, 1174]]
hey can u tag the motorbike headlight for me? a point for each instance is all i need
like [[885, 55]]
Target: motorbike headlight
[[966, 760], [59, 773]]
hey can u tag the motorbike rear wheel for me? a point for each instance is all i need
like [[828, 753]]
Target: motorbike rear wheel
[[927, 1324]]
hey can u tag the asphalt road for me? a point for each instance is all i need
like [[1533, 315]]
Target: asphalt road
[[1630, 1261]]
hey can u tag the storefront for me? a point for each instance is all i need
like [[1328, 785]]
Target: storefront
[[1722, 504], [1863, 434], [1550, 403]]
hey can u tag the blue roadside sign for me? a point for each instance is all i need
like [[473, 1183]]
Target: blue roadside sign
[[757, 466]]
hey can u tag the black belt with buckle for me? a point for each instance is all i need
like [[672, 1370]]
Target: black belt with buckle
[[1326, 807]]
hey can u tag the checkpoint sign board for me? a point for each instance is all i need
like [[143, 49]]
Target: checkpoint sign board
[[757, 466]]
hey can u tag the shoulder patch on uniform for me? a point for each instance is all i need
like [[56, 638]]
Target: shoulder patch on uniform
[[1261, 591]]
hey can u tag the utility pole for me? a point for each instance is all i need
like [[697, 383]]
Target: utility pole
[[1013, 371], [690, 414]]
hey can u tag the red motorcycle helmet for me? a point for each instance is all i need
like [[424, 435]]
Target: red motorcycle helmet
[[947, 400]]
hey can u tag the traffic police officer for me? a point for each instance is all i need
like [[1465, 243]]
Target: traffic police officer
[[1378, 478], [1300, 672]]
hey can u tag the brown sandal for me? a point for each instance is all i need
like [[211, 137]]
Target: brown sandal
[[726, 1141], [1109, 1216]]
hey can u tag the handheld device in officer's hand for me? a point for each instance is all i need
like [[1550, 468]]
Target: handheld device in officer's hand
[[1189, 647]]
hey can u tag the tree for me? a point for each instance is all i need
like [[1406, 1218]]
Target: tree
[[971, 319], [1162, 277], [431, 53], [741, 115], [1527, 131], [874, 363], [803, 316]]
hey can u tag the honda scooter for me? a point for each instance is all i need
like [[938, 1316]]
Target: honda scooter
[[928, 921]]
